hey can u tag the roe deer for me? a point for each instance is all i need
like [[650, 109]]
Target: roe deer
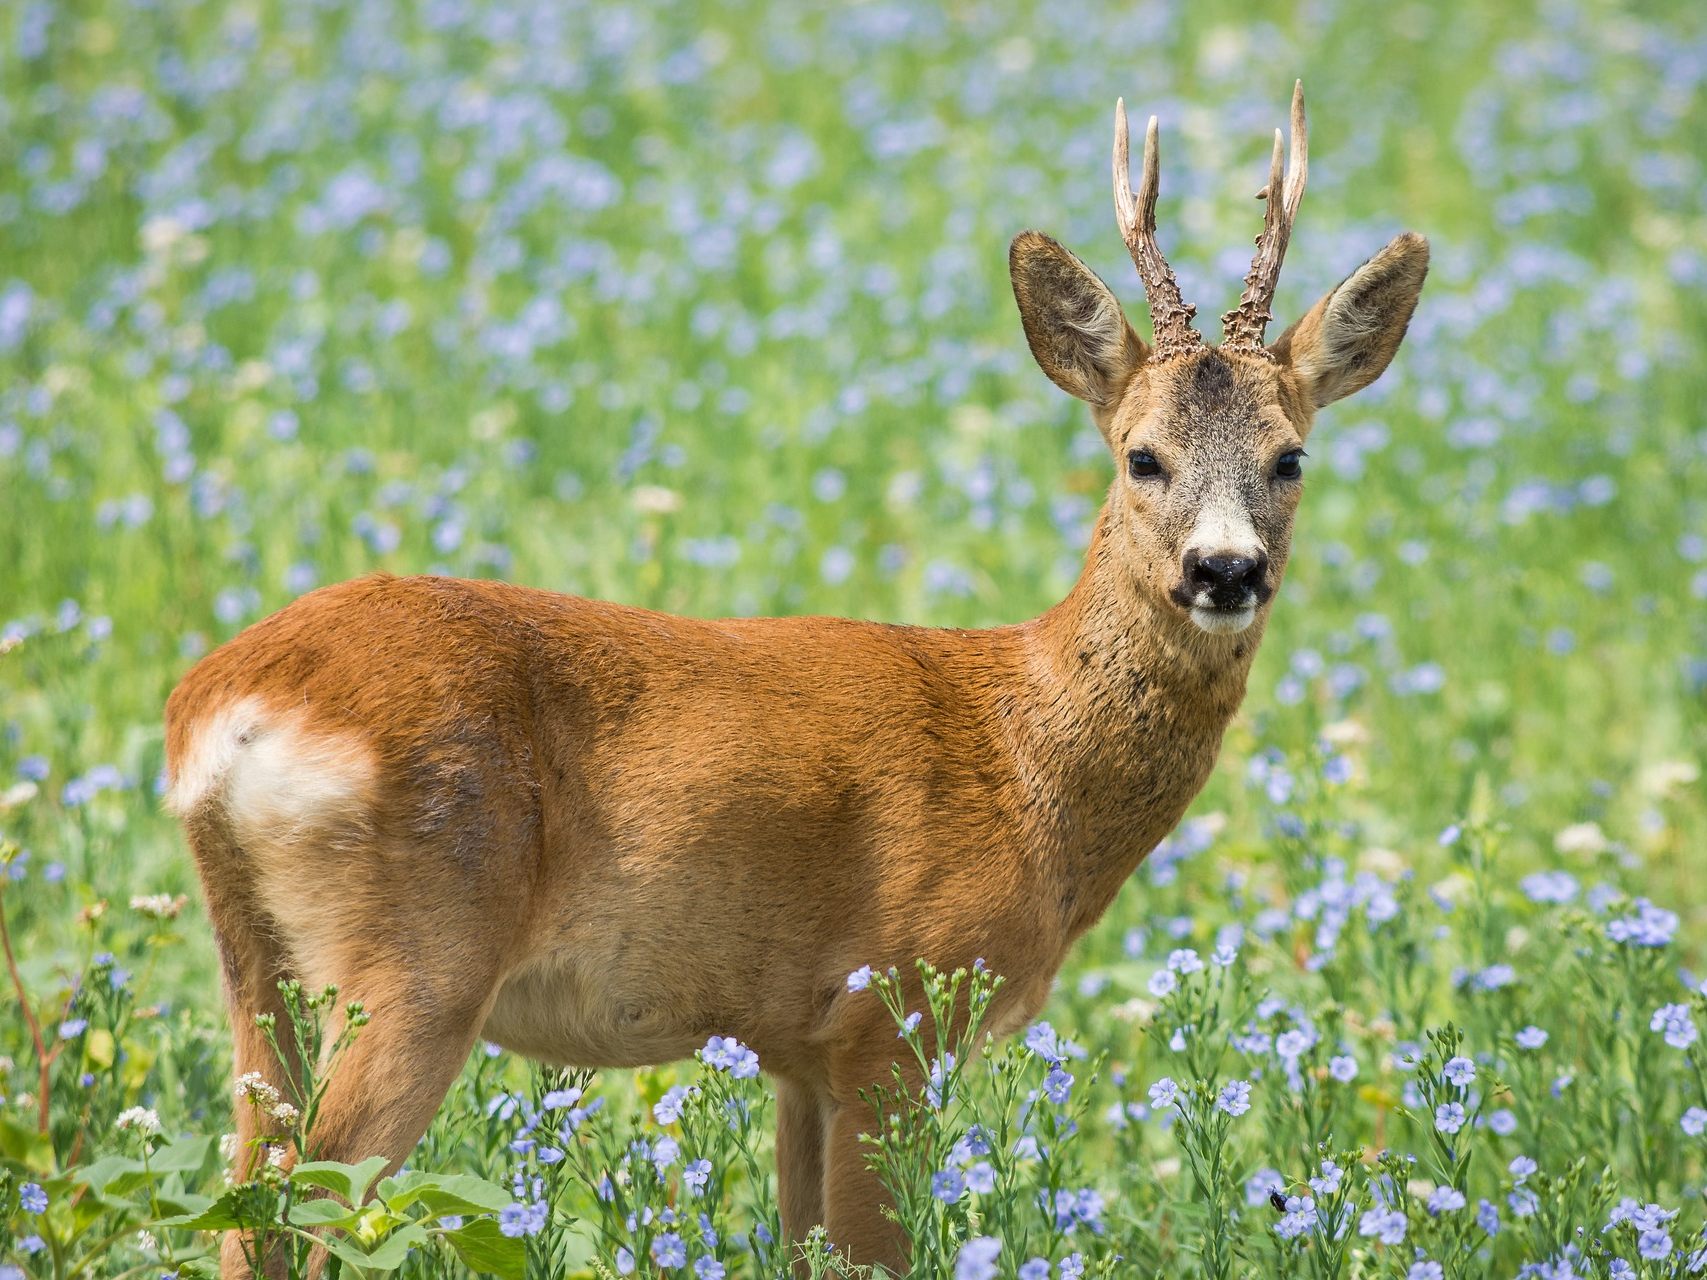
[[598, 835]]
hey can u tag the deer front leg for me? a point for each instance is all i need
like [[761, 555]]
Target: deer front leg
[[854, 1198]]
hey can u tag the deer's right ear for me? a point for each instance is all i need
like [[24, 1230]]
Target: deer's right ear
[[1077, 331]]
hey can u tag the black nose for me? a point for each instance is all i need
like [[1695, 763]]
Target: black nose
[[1228, 579]]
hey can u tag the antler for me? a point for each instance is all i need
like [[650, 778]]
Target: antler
[[1242, 327], [1170, 316]]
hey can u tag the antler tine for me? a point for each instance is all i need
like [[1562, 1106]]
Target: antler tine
[[1242, 327], [1170, 315]]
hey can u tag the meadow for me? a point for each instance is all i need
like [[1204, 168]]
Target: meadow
[[703, 307]]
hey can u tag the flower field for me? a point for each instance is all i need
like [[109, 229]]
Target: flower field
[[704, 307]]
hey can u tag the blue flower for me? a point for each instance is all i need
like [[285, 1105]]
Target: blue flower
[[1385, 1225], [948, 1185], [668, 1109], [1058, 1084], [32, 1198], [1343, 1067], [1034, 1269], [1674, 1022], [522, 1219], [1235, 1097], [1488, 1217], [909, 1024], [696, 1175], [1163, 1093], [860, 978], [1531, 1037], [977, 1259], [669, 1250], [1449, 1117], [1460, 1070], [1654, 1244], [981, 1178], [708, 1269], [1425, 1269], [725, 1053], [1445, 1200], [71, 1028]]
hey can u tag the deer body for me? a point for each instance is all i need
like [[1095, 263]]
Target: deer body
[[599, 835]]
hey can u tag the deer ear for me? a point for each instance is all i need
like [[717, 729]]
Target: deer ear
[[1077, 331], [1348, 338]]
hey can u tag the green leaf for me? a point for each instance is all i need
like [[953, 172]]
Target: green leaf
[[348, 1180], [483, 1247], [222, 1215], [442, 1193], [186, 1155], [322, 1212], [101, 1174], [387, 1255], [25, 1144]]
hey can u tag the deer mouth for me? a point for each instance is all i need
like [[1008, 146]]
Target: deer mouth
[[1224, 620]]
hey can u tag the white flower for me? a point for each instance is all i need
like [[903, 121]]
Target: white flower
[[143, 1119], [1584, 838], [158, 906], [655, 500]]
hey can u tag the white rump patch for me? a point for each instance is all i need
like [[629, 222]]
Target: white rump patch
[[272, 775]]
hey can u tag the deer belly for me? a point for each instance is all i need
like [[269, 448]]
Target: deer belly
[[584, 1012]]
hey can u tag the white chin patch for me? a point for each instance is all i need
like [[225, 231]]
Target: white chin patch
[[1223, 622]]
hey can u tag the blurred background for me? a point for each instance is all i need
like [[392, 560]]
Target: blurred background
[[704, 307]]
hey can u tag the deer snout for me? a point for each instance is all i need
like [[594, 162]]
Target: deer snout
[[1229, 580]]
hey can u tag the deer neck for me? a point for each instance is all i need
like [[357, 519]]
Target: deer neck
[[1128, 704]]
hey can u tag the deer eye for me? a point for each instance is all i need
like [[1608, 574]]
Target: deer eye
[[1290, 465], [1141, 463]]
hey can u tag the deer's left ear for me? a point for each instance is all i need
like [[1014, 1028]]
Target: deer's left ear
[[1073, 321], [1349, 337]]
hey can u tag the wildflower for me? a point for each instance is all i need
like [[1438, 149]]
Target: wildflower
[[1648, 926], [1503, 1121], [142, 1119], [29, 1245], [71, 1028], [31, 1198], [1235, 1098], [981, 1178], [696, 1175], [158, 906], [1523, 1202], [948, 1185], [1425, 1269], [1057, 1085], [1531, 1037], [1162, 983], [665, 1152], [1619, 1269], [1072, 1266], [669, 1250], [1034, 1269], [1164, 1093], [725, 1053], [708, 1269], [1184, 960], [1262, 1185], [1521, 1167], [521, 1219], [1488, 1217], [1460, 1070], [860, 978], [624, 1261], [1654, 1244], [1291, 1044], [1224, 956], [1043, 1040], [1328, 1181], [668, 1109], [1445, 1200], [1385, 1225], [557, 1099], [1674, 1022], [909, 1024], [1694, 1121], [977, 1259], [1449, 1117], [1343, 1067], [1300, 1216]]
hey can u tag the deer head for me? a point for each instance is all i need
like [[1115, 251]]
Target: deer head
[[1209, 441]]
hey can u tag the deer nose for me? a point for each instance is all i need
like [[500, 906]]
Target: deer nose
[[1227, 578]]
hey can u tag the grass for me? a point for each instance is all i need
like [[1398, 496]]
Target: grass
[[704, 308]]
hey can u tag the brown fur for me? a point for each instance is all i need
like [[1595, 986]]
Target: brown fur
[[599, 835]]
